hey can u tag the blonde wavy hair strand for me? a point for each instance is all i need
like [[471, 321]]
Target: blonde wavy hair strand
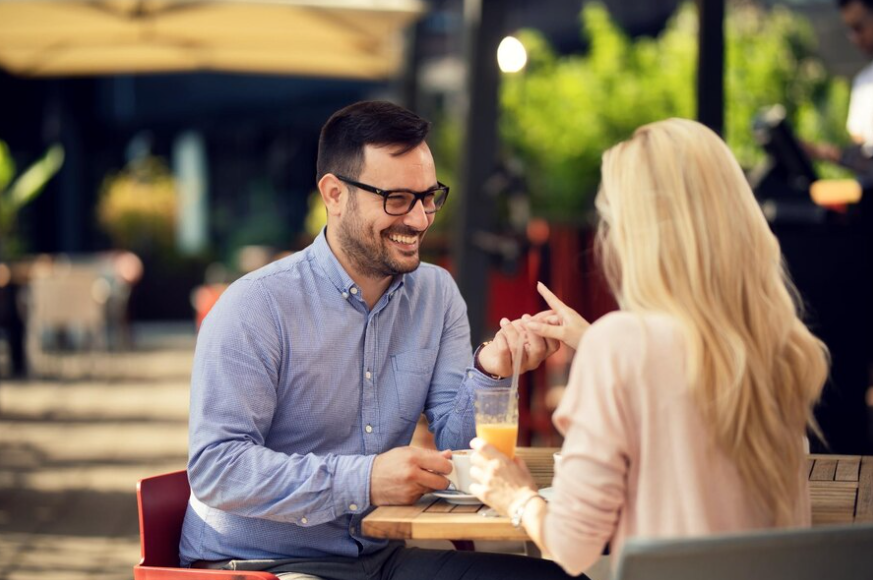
[[681, 233]]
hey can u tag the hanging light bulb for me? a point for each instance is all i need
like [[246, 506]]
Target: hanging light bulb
[[511, 55]]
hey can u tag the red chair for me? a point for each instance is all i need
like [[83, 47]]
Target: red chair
[[162, 502]]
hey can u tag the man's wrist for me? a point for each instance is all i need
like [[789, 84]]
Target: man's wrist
[[478, 366]]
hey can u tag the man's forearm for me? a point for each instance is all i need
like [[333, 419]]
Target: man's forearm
[[253, 481]]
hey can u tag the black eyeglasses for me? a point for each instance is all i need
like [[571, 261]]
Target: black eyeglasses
[[401, 201]]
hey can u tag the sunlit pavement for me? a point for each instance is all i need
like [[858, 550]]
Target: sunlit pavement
[[71, 452]]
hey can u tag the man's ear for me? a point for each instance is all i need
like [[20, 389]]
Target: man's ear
[[332, 194]]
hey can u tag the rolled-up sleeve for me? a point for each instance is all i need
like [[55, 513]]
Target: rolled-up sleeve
[[449, 408]]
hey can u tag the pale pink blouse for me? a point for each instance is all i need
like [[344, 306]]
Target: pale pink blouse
[[637, 458]]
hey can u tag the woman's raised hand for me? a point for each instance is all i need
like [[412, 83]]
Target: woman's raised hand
[[561, 322]]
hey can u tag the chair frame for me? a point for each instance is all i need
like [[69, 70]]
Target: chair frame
[[162, 501]]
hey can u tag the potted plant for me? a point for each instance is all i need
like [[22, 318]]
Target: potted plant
[[15, 194]]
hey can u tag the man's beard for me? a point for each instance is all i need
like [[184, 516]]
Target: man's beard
[[367, 250]]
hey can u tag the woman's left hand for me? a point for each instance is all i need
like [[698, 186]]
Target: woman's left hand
[[499, 481]]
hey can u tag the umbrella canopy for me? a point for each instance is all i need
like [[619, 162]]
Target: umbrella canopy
[[331, 38]]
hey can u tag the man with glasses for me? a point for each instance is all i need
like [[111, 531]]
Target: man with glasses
[[311, 374]]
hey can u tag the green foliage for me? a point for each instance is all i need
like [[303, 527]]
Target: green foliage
[[316, 216], [445, 142], [15, 195], [138, 207], [771, 58], [561, 113]]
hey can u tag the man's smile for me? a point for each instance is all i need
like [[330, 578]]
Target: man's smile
[[405, 240]]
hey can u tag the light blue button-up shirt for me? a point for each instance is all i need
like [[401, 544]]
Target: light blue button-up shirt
[[297, 385]]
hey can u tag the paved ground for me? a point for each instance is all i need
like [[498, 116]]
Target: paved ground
[[71, 452]]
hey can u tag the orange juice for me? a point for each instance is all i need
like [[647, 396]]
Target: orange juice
[[501, 435]]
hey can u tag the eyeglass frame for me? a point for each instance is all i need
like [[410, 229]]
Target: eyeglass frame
[[385, 193]]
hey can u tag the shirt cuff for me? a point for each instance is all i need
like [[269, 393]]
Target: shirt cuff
[[477, 379], [474, 379], [351, 485]]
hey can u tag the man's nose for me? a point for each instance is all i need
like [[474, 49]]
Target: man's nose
[[416, 218]]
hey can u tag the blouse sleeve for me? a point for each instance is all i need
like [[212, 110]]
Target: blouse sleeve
[[590, 482]]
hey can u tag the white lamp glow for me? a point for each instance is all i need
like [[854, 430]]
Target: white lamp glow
[[511, 55]]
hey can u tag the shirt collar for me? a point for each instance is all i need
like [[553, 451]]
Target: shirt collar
[[323, 256]]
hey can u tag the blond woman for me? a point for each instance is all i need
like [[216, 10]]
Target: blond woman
[[686, 411]]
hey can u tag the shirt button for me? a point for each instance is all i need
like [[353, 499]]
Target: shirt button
[[304, 521], [354, 507], [354, 290], [367, 374], [368, 429], [346, 295]]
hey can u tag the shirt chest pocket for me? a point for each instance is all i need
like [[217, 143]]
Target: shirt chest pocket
[[412, 373]]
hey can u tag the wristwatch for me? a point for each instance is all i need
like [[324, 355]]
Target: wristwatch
[[478, 366], [517, 515]]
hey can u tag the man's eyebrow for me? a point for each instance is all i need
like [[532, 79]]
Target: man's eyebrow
[[435, 185]]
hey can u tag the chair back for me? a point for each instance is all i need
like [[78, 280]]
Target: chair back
[[838, 553], [162, 501]]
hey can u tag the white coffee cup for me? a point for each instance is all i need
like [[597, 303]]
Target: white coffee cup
[[557, 458], [460, 475]]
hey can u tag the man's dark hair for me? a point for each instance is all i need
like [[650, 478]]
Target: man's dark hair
[[843, 3], [379, 123]]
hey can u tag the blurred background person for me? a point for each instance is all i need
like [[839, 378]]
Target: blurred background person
[[686, 411], [858, 18]]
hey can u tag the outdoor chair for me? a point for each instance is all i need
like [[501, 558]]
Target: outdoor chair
[[64, 301], [162, 501], [835, 553]]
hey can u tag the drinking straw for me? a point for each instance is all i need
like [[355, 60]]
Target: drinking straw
[[516, 371]]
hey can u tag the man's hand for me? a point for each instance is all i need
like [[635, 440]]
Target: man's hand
[[402, 475], [496, 358]]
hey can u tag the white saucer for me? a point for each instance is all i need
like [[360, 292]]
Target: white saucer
[[458, 498], [547, 493]]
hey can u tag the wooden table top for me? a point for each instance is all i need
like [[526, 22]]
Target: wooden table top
[[841, 488]]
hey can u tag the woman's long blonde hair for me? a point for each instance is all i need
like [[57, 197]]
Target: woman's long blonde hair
[[681, 233]]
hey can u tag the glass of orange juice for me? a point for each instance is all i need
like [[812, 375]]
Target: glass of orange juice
[[497, 418]]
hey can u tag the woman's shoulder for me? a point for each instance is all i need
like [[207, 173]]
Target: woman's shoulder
[[630, 329], [624, 353]]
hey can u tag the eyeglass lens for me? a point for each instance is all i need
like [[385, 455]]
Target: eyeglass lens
[[402, 202]]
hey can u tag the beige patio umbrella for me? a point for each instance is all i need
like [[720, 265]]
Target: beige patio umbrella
[[330, 38]]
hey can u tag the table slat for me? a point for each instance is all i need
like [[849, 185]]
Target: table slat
[[472, 526], [833, 484], [396, 521], [848, 469], [467, 509], [864, 507], [823, 470], [440, 507], [540, 462]]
